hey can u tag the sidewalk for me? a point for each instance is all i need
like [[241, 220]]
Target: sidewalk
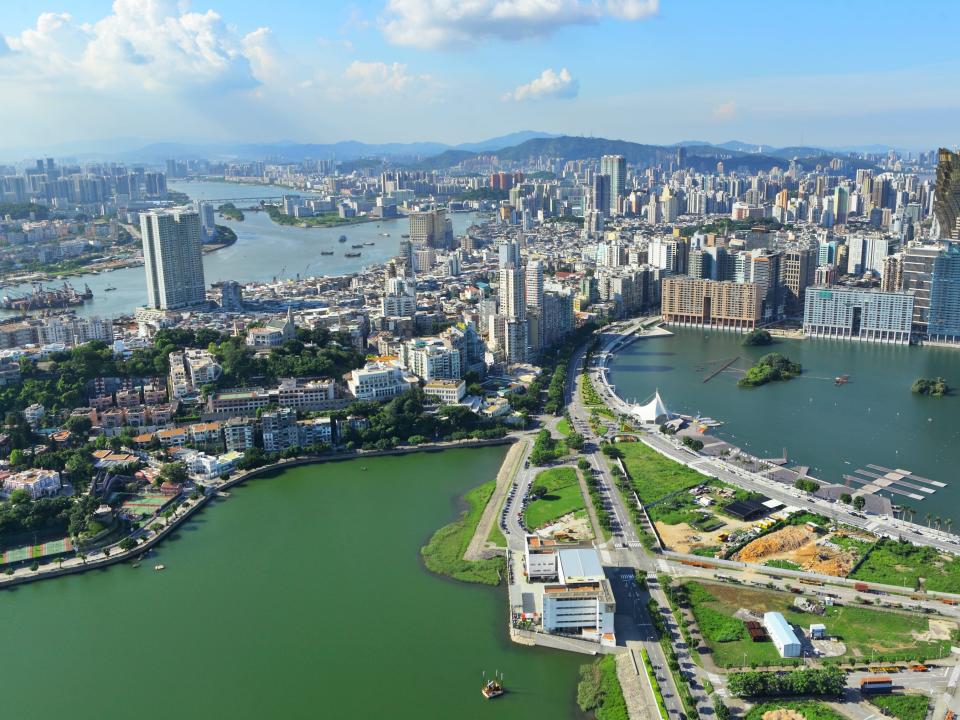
[[479, 548]]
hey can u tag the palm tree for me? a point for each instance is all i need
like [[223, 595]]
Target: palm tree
[[937, 521], [927, 517], [949, 523]]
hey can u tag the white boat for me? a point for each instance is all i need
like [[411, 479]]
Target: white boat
[[159, 567]]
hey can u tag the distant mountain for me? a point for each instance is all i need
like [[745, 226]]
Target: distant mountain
[[698, 156], [140, 151]]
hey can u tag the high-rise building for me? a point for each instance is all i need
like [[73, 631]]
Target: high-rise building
[[173, 258], [855, 314], [943, 322], [797, 268], [891, 278], [534, 284], [946, 204], [600, 194], [431, 228], [614, 167], [711, 303]]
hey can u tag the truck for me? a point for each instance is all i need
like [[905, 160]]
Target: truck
[[876, 684], [861, 587]]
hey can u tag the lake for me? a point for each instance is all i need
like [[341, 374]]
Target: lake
[[300, 596]]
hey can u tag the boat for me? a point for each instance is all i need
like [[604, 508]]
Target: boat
[[357, 246], [492, 688], [351, 254], [342, 238], [109, 289], [41, 299], [159, 566], [841, 380], [384, 234], [405, 236], [326, 252]]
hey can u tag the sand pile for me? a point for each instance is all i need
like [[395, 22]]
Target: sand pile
[[783, 714], [781, 541]]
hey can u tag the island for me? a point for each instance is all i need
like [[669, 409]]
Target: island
[[231, 211], [934, 387], [756, 338], [772, 366]]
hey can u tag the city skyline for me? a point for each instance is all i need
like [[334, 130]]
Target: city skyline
[[208, 71]]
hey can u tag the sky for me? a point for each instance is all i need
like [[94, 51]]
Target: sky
[[826, 73]]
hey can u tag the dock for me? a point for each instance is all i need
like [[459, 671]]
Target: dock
[[880, 484], [720, 369]]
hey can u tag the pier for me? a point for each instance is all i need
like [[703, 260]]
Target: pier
[[720, 369]]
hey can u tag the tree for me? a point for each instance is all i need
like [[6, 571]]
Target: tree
[[175, 473], [583, 464], [538, 490], [128, 543], [859, 501], [575, 441], [845, 498]]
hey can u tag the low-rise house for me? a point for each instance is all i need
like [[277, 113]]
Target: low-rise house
[[39, 483], [379, 381], [448, 391]]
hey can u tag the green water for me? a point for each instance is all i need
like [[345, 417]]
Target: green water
[[300, 596], [872, 419]]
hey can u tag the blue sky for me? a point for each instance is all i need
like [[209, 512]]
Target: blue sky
[[821, 73]]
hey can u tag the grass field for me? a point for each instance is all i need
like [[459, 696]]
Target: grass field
[[443, 554], [855, 626], [783, 564], [809, 709], [903, 707], [563, 496], [563, 427], [599, 690], [896, 563], [655, 476]]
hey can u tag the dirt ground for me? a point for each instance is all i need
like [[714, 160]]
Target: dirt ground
[[938, 630], [799, 544], [685, 539], [570, 526]]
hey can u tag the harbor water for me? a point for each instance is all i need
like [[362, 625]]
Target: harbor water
[[834, 429], [263, 251]]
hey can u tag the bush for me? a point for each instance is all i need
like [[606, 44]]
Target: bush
[[807, 485]]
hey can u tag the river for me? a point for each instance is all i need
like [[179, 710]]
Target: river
[[300, 596], [873, 419], [263, 250]]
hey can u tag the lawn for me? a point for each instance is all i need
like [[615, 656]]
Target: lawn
[[563, 496], [599, 690], [783, 564], [855, 626], [655, 476], [443, 553], [809, 709], [563, 427], [899, 563], [903, 707]]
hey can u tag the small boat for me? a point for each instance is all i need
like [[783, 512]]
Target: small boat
[[351, 254], [369, 243], [385, 234], [342, 238], [326, 252], [109, 289], [159, 567], [841, 380], [492, 688], [357, 246], [404, 236]]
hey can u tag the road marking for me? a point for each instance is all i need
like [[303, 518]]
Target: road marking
[[952, 682]]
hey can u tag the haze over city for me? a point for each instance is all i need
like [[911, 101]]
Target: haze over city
[[131, 72]]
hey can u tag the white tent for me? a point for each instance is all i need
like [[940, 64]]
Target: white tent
[[653, 413]]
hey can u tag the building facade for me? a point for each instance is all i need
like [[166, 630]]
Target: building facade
[[855, 314]]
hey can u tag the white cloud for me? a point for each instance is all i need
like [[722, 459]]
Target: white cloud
[[725, 111], [155, 44], [548, 84], [451, 23], [378, 77]]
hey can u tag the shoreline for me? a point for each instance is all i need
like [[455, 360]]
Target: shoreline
[[115, 555]]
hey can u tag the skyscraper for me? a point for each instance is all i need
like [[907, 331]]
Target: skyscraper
[[172, 258], [431, 228], [600, 194], [615, 167], [946, 203]]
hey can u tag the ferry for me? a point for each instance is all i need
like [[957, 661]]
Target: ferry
[[342, 238], [351, 254], [492, 688]]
